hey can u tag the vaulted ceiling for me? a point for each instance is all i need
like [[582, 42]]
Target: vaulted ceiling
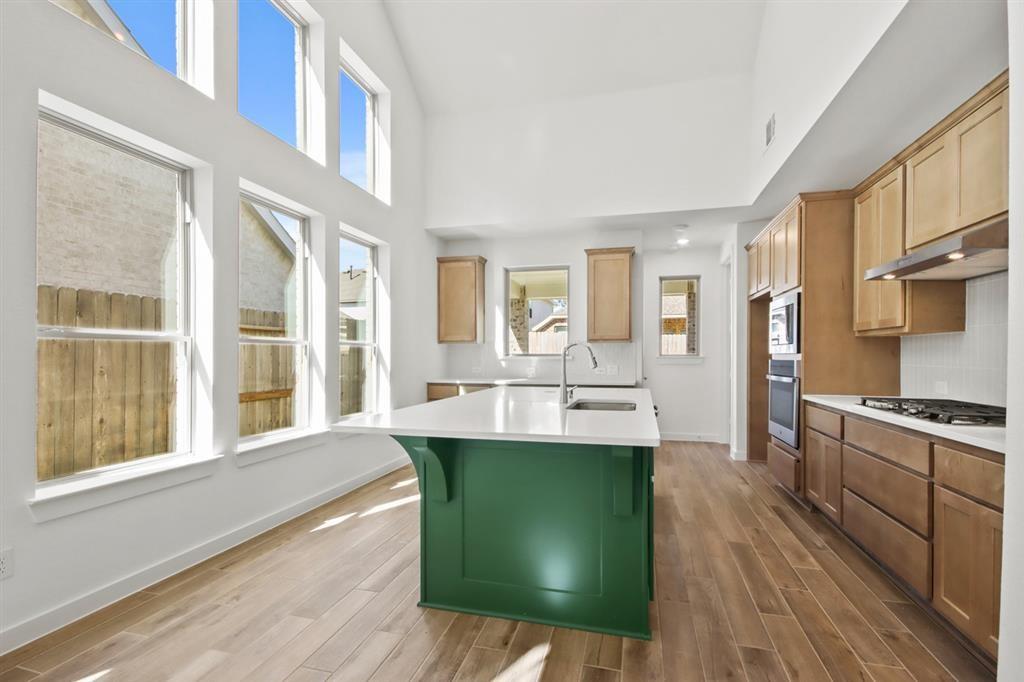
[[468, 55]]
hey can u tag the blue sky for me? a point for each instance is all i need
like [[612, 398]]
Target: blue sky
[[266, 72]]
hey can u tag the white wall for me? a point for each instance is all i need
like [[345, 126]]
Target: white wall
[[970, 365], [660, 149], [69, 566], [806, 53], [691, 393], [1011, 624], [488, 359]]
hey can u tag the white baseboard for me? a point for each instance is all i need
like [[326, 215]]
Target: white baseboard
[[24, 632], [738, 455], [699, 437]]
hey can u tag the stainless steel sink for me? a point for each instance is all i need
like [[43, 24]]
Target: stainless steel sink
[[593, 404]]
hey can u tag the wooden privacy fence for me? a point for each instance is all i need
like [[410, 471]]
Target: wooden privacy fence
[[101, 402], [266, 375]]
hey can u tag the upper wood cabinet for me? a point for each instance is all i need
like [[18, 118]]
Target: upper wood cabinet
[[785, 251], [460, 299], [895, 308], [759, 264], [609, 294], [961, 178], [968, 566]]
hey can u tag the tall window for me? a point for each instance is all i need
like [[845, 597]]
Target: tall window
[[272, 47], [114, 341], [537, 311], [357, 122], [272, 353], [357, 337], [157, 29], [680, 316]]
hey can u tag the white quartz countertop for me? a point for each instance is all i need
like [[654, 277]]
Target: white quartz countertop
[[523, 381], [520, 413], [985, 437]]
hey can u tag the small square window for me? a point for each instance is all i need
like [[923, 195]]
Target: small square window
[[271, 53], [356, 125], [679, 318]]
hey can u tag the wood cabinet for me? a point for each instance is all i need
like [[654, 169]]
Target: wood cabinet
[[896, 307], [899, 493], [907, 554], [440, 391], [759, 265], [968, 564], [460, 299], [785, 251], [823, 473], [785, 468], [961, 178], [609, 294]]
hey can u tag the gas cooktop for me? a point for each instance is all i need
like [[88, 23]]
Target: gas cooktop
[[941, 411]]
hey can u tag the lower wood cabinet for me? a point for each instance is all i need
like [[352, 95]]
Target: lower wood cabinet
[[905, 553], [784, 467], [823, 473], [899, 493], [442, 391], [968, 564]]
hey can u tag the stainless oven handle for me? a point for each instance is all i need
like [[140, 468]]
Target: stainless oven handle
[[785, 380]]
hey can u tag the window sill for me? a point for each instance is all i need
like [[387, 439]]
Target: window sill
[[355, 415], [680, 359], [271, 446], [64, 498]]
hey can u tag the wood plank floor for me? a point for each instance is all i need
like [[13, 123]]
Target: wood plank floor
[[749, 586]]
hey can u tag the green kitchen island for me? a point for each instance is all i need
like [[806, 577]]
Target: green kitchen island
[[532, 510]]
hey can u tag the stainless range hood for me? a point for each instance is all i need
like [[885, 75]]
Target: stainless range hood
[[981, 251]]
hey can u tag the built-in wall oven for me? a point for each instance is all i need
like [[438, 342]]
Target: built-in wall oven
[[784, 324], [784, 401]]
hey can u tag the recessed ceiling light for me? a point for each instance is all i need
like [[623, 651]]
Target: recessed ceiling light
[[956, 255], [889, 276], [119, 36], [682, 241]]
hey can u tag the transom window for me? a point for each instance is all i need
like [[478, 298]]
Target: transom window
[[537, 310], [272, 52], [357, 332], [113, 382], [357, 123], [273, 337], [680, 313], [157, 29]]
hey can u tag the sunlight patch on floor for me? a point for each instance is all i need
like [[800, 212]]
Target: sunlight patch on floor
[[332, 522], [402, 484], [527, 667], [95, 676], [390, 505]]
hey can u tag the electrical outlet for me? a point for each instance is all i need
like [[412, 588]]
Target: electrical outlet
[[600, 370], [942, 387], [6, 562], [613, 370]]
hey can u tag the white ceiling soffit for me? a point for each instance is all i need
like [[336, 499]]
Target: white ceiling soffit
[[468, 55]]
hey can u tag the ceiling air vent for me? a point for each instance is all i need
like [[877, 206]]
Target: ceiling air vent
[[769, 131]]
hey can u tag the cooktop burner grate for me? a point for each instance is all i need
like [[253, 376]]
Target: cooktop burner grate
[[942, 411]]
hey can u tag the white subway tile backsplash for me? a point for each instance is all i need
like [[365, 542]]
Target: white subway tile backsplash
[[972, 363]]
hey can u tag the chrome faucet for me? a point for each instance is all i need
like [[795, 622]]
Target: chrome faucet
[[563, 393]]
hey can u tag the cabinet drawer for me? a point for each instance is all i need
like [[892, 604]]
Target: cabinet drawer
[[828, 423], [971, 475], [901, 550], [913, 453], [784, 467], [441, 391], [901, 494]]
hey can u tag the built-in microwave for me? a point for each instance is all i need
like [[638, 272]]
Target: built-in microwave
[[784, 401], [784, 324]]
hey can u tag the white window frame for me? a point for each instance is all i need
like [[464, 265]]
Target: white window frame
[[372, 342], [302, 395], [303, 122], [185, 308], [508, 332], [372, 126], [661, 316]]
